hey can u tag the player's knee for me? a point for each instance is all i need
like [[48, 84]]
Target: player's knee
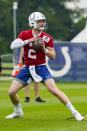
[[11, 92], [52, 90], [55, 91]]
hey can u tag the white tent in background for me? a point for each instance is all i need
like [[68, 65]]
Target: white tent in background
[[81, 37]]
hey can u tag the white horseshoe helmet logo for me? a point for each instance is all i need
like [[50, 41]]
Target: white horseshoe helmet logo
[[66, 67]]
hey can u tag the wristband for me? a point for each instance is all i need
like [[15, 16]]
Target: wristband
[[26, 42], [46, 51]]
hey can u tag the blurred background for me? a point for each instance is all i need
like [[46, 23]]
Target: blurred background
[[66, 24]]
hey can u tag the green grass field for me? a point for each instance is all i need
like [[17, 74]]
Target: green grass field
[[49, 116]]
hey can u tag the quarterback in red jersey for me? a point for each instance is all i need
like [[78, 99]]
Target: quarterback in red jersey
[[35, 65]]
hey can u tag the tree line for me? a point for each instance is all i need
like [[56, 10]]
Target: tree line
[[60, 23]]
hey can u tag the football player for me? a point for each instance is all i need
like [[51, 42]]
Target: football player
[[35, 65]]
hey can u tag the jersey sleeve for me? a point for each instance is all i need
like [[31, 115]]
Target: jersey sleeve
[[21, 36], [50, 43]]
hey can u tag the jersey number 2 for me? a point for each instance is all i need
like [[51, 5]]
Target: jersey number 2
[[30, 54]]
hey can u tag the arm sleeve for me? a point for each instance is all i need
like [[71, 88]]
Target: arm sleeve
[[17, 43]]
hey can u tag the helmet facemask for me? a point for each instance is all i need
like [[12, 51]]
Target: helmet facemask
[[39, 27]]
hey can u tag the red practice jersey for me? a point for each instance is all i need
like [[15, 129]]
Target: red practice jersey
[[32, 57]]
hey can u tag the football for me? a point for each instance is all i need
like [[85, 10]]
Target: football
[[36, 45]]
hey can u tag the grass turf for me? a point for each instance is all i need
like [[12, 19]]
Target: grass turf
[[49, 116]]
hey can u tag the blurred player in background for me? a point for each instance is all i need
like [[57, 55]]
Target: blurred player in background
[[27, 88], [0, 66], [35, 65]]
